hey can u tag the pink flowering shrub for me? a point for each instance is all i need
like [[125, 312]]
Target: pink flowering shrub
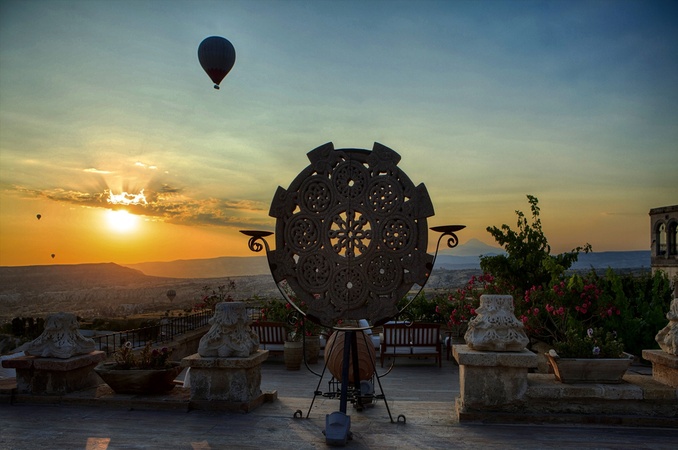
[[459, 307], [210, 297], [569, 304]]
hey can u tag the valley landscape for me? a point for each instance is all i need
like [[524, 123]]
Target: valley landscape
[[112, 290]]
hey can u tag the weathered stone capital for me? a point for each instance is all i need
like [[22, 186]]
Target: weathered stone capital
[[61, 338]]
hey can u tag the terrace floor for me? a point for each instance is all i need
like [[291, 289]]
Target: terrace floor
[[416, 389]]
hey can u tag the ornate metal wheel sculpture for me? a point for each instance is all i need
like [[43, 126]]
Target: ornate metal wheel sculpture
[[351, 241], [351, 235]]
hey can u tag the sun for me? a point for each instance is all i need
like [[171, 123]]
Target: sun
[[120, 221]]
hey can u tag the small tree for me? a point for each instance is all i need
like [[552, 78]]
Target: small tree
[[528, 261]]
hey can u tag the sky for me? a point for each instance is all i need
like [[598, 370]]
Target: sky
[[111, 131]]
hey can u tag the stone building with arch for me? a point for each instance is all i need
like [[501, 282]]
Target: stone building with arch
[[664, 229]]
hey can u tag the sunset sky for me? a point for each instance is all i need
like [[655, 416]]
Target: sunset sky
[[104, 108]]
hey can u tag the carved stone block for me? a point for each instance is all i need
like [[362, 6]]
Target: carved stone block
[[230, 334], [496, 328]]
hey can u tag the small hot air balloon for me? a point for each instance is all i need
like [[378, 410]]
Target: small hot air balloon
[[53, 255], [171, 294], [39, 216], [216, 56]]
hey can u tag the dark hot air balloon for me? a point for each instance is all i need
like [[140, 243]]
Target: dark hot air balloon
[[216, 56], [171, 294], [39, 216], [53, 255]]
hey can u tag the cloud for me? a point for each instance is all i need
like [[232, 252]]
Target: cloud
[[145, 166], [97, 171], [168, 204]]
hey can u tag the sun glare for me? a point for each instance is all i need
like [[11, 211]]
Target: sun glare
[[121, 221]]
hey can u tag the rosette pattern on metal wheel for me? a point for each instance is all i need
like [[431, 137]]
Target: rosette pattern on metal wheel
[[351, 234]]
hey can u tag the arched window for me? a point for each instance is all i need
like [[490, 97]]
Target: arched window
[[672, 238], [661, 239]]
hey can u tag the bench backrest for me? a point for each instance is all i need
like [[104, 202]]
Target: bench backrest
[[270, 332], [415, 334]]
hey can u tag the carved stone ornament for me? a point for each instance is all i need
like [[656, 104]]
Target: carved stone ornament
[[230, 334], [496, 327], [667, 338], [351, 234], [61, 338]]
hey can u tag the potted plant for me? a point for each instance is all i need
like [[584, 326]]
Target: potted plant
[[303, 336], [151, 372], [280, 311], [595, 357]]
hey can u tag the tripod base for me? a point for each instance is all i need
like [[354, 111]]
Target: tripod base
[[337, 428]]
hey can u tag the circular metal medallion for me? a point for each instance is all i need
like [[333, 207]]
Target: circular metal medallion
[[351, 234]]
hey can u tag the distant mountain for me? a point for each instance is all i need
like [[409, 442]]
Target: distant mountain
[[464, 256], [237, 266], [614, 260], [225, 266], [109, 290], [599, 260], [69, 276], [472, 247]]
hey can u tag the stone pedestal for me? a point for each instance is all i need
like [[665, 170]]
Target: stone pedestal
[[55, 376], [664, 366], [226, 383], [491, 379]]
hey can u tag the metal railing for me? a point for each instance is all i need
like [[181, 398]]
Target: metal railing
[[165, 331]]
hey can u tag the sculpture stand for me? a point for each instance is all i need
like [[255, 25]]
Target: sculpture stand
[[59, 361], [664, 366], [338, 424], [230, 384], [493, 366], [55, 376], [491, 379], [665, 361], [225, 374]]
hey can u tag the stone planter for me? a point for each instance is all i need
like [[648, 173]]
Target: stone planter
[[589, 370], [294, 354], [312, 349], [138, 381]]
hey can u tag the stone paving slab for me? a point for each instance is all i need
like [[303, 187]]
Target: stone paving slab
[[416, 389]]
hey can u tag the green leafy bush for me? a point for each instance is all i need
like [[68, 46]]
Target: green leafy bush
[[528, 261]]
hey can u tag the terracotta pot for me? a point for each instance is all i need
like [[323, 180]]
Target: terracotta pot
[[293, 352], [334, 356], [139, 381], [589, 370]]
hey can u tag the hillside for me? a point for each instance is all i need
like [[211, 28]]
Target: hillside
[[597, 260], [225, 266], [93, 290], [463, 257], [108, 290], [68, 277]]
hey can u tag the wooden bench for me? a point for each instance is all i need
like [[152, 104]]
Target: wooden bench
[[272, 336], [415, 339]]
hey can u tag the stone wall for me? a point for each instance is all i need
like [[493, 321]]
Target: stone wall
[[497, 387]]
